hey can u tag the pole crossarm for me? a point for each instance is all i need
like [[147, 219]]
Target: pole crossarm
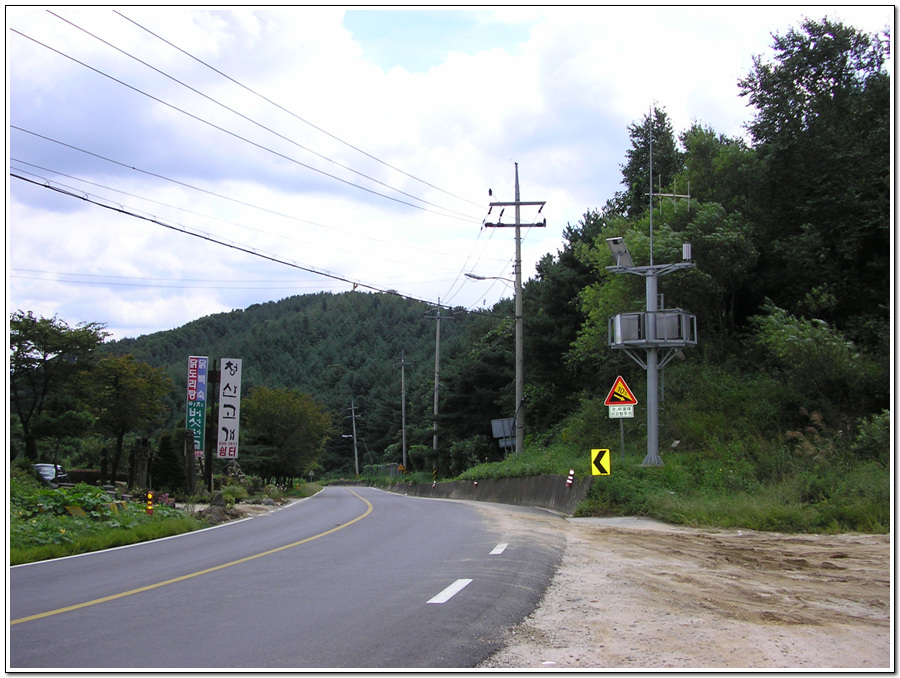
[[498, 225], [655, 270], [517, 204]]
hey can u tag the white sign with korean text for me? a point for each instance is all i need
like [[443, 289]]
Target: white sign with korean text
[[229, 408], [621, 411]]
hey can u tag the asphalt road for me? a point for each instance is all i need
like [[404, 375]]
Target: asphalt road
[[350, 578]]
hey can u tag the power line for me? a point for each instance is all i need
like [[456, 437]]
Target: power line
[[113, 281], [249, 119], [206, 216], [240, 248], [233, 134], [105, 283], [291, 113]]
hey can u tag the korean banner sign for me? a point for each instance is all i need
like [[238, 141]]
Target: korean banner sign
[[196, 400], [229, 408]]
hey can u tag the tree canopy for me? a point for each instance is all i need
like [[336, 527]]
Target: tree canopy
[[285, 432], [45, 355]]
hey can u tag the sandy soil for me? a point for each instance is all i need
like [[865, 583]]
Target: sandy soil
[[639, 594]]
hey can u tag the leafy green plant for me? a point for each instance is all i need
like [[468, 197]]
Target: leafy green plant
[[873, 438]]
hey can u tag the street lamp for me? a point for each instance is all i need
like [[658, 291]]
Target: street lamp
[[486, 277]]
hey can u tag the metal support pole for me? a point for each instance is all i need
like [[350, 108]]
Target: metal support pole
[[652, 458]]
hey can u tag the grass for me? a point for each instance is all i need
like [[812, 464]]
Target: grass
[[85, 537], [41, 527], [751, 483]]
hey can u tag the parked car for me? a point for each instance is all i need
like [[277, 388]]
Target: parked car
[[52, 474]]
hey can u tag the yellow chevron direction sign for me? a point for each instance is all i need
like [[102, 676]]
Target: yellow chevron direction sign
[[600, 466]]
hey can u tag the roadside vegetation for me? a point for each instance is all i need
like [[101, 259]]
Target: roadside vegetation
[[47, 522], [816, 479]]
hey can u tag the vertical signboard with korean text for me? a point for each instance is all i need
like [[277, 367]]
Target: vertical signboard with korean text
[[196, 400], [229, 408]]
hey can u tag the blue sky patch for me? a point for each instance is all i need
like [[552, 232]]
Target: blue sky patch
[[418, 40]]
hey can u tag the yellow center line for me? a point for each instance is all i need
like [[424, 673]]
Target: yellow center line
[[196, 574]]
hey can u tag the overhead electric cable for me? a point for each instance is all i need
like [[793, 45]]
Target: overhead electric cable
[[214, 218], [291, 113], [235, 246], [233, 134], [252, 121], [106, 283]]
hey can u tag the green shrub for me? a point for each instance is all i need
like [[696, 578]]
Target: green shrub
[[873, 438]]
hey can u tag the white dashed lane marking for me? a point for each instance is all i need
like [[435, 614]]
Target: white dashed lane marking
[[460, 584], [450, 591]]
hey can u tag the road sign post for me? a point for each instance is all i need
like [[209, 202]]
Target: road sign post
[[621, 401]]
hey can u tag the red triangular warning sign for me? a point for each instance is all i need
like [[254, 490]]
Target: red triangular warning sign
[[620, 394]]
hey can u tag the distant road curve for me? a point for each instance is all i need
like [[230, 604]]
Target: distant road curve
[[350, 578]]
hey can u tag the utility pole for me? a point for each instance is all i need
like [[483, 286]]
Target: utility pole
[[437, 373], [403, 365], [520, 333], [355, 453]]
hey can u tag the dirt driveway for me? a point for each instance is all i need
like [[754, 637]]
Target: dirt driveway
[[638, 594]]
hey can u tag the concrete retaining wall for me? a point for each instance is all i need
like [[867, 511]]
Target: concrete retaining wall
[[546, 491]]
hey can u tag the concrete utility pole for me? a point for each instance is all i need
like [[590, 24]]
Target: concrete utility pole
[[437, 372], [520, 333], [403, 365], [355, 453]]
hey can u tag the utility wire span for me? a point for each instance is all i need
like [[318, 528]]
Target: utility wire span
[[105, 283], [251, 120], [233, 134], [214, 218], [231, 245], [292, 114]]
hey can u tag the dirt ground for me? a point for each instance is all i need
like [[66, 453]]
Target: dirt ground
[[638, 594]]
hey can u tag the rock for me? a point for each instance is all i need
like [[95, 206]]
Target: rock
[[215, 515]]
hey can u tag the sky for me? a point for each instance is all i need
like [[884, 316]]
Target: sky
[[165, 164]]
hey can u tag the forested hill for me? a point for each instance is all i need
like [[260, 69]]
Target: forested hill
[[332, 346]]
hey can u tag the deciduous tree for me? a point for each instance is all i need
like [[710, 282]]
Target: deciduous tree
[[283, 432], [45, 354], [127, 396], [822, 130], [667, 162]]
